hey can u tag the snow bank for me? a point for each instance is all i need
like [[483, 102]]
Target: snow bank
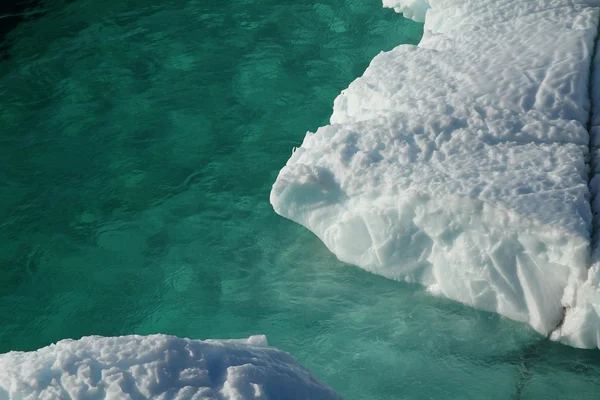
[[157, 366], [462, 164]]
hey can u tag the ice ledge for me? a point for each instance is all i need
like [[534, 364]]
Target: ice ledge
[[463, 163]]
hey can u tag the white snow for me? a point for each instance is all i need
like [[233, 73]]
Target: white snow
[[157, 367], [581, 327], [462, 163], [413, 9]]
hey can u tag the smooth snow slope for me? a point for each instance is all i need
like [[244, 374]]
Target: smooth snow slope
[[157, 367], [462, 164]]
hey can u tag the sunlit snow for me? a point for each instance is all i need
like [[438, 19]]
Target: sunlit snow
[[463, 163], [157, 366]]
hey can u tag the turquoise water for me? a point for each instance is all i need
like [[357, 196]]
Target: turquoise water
[[139, 141]]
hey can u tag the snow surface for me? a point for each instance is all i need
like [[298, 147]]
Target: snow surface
[[582, 320], [463, 163], [157, 367], [413, 9]]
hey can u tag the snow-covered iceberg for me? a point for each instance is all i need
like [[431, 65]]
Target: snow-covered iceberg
[[463, 163], [157, 367]]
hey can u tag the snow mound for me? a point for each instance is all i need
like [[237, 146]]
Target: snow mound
[[157, 367], [462, 163]]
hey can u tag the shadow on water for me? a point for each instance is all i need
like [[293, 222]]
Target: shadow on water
[[546, 364], [14, 12]]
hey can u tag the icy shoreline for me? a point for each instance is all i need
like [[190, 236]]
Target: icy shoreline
[[463, 163]]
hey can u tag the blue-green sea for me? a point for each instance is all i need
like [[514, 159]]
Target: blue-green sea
[[139, 140]]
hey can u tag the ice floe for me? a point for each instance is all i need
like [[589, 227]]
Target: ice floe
[[157, 367], [463, 163]]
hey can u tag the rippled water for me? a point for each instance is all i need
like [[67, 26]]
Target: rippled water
[[139, 141]]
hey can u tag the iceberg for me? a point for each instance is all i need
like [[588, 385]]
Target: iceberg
[[463, 163], [157, 366]]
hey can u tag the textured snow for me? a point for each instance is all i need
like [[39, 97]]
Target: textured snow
[[413, 9], [157, 367], [581, 327], [463, 163]]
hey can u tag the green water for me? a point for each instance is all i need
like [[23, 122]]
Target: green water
[[139, 141]]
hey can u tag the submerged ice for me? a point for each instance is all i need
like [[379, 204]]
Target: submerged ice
[[463, 163], [157, 367]]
